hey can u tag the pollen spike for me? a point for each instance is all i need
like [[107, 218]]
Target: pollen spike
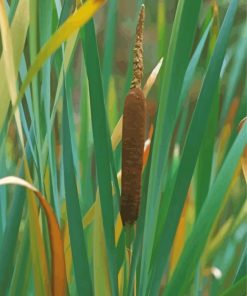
[[138, 51]]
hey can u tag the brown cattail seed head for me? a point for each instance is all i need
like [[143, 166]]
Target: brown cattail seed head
[[133, 135], [132, 154]]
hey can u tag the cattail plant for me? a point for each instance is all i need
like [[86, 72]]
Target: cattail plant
[[133, 135]]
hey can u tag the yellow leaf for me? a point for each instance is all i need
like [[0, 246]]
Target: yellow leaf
[[17, 35], [118, 228], [117, 133], [121, 280], [8, 58], [112, 104], [152, 78], [100, 261], [69, 27], [88, 218], [180, 236]]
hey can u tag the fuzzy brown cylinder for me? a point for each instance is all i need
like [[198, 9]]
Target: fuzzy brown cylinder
[[132, 154]]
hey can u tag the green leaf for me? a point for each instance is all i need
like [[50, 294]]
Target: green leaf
[[177, 61], [190, 72], [77, 239], [65, 31], [109, 42], [192, 146], [101, 145], [201, 230]]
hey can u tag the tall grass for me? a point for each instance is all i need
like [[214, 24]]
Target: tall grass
[[64, 76]]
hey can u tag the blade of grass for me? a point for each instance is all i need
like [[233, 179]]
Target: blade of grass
[[102, 146], [85, 144], [102, 284], [21, 275], [190, 72], [77, 239], [33, 48], [109, 42], [12, 10], [177, 60], [205, 158]]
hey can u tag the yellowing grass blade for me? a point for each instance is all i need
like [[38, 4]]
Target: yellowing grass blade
[[118, 228], [59, 284], [244, 163], [121, 280], [10, 72], [152, 78], [42, 282], [147, 146], [100, 261], [17, 34], [180, 237], [112, 104], [216, 241], [73, 23], [67, 252], [117, 133], [226, 130], [88, 218]]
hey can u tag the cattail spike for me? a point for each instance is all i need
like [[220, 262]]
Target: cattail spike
[[133, 136], [138, 51]]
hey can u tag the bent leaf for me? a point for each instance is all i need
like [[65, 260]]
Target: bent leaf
[[58, 263]]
